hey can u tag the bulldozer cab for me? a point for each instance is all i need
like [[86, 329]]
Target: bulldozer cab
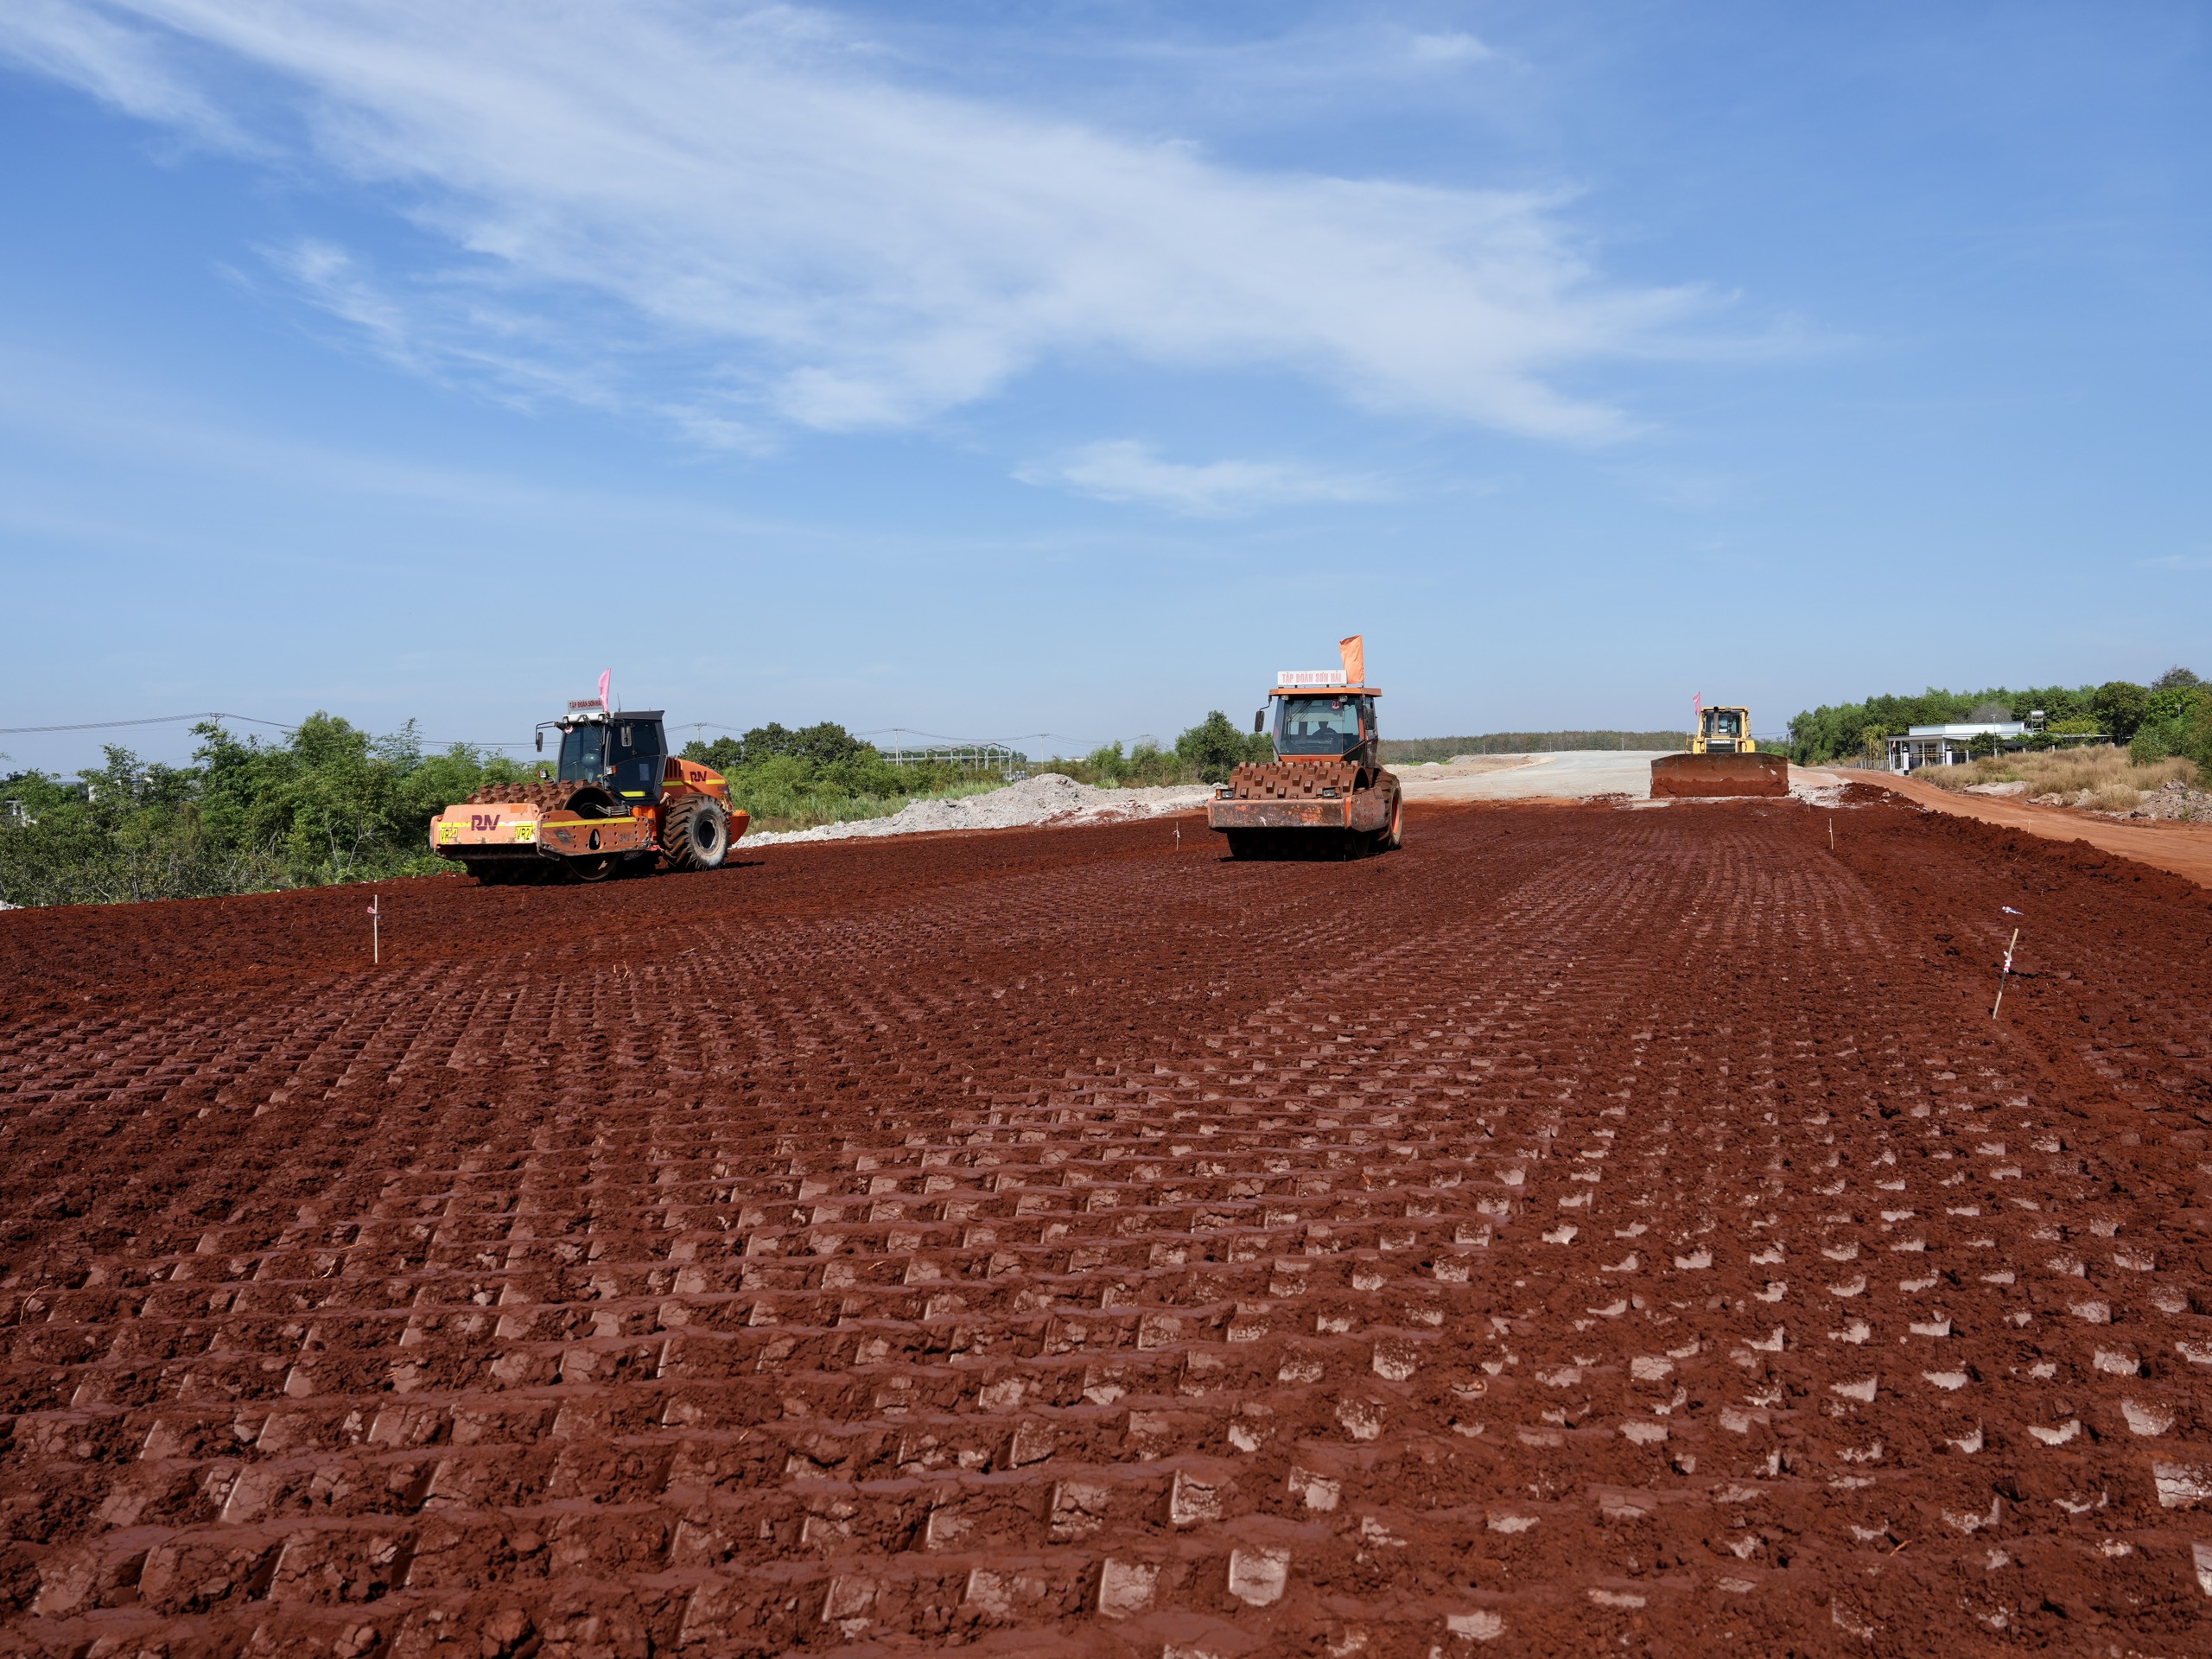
[[1325, 725], [625, 754], [1725, 731]]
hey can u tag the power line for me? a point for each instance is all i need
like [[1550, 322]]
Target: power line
[[249, 720], [696, 725], [151, 720]]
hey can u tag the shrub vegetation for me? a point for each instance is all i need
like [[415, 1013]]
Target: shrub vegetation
[[2107, 771], [823, 775], [330, 803]]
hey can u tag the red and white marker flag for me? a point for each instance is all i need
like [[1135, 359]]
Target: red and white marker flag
[[606, 679]]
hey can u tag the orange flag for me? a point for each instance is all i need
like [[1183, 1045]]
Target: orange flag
[[1354, 651]]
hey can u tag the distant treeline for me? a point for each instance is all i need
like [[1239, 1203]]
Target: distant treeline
[[1412, 751], [2172, 715]]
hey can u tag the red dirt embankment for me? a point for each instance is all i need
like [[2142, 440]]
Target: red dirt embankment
[[1587, 1231], [2183, 849]]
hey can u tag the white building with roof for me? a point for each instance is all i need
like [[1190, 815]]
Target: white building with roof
[[1948, 745]]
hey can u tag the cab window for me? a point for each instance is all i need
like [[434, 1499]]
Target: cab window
[[583, 754], [1321, 725]]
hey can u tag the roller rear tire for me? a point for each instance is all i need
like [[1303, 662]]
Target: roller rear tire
[[695, 834]]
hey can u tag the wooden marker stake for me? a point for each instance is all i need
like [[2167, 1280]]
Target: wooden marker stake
[[2001, 972], [376, 929]]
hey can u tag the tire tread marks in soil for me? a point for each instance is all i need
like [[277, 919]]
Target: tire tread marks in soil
[[1586, 1231]]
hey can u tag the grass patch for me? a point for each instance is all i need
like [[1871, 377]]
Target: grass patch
[[776, 809], [2113, 782]]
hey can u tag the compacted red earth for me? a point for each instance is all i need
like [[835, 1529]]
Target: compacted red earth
[[1589, 1230]]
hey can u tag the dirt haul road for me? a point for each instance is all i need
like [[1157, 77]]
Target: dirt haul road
[[1589, 1230]]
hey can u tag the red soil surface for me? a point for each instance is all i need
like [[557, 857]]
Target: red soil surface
[[2183, 849], [1589, 1230]]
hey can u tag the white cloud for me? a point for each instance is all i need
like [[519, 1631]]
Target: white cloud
[[118, 64], [1120, 470], [745, 214], [1449, 48]]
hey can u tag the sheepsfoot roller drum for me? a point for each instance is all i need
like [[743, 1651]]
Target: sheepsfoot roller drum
[[621, 803], [1326, 794]]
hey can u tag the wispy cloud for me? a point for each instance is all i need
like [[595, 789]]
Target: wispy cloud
[[747, 218], [1455, 47], [122, 65], [2177, 562], [1122, 470]]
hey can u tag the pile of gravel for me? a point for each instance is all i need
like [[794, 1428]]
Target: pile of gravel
[[1816, 794], [2172, 800], [1049, 798]]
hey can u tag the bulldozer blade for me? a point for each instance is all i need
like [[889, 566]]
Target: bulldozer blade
[[1678, 776]]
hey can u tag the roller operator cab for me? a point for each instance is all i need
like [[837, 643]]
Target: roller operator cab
[[1315, 725], [618, 801], [1327, 793], [625, 754]]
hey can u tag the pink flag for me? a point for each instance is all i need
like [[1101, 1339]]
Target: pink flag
[[605, 678]]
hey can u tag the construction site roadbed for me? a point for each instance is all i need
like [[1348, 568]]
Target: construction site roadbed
[[2183, 849], [1584, 1231]]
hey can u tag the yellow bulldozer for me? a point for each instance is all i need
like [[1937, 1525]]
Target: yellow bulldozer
[[1723, 759]]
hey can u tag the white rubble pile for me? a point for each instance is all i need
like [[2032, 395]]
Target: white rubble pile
[[2172, 800], [1049, 798], [1815, 794]]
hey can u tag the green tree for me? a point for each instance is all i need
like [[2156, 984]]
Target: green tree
[[1829, 731], [1213, 748], [2119, 707], [2179, 722]]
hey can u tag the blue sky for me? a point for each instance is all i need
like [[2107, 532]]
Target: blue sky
[[999, 370]]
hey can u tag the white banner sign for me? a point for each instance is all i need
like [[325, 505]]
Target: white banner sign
[[1310, 677]]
